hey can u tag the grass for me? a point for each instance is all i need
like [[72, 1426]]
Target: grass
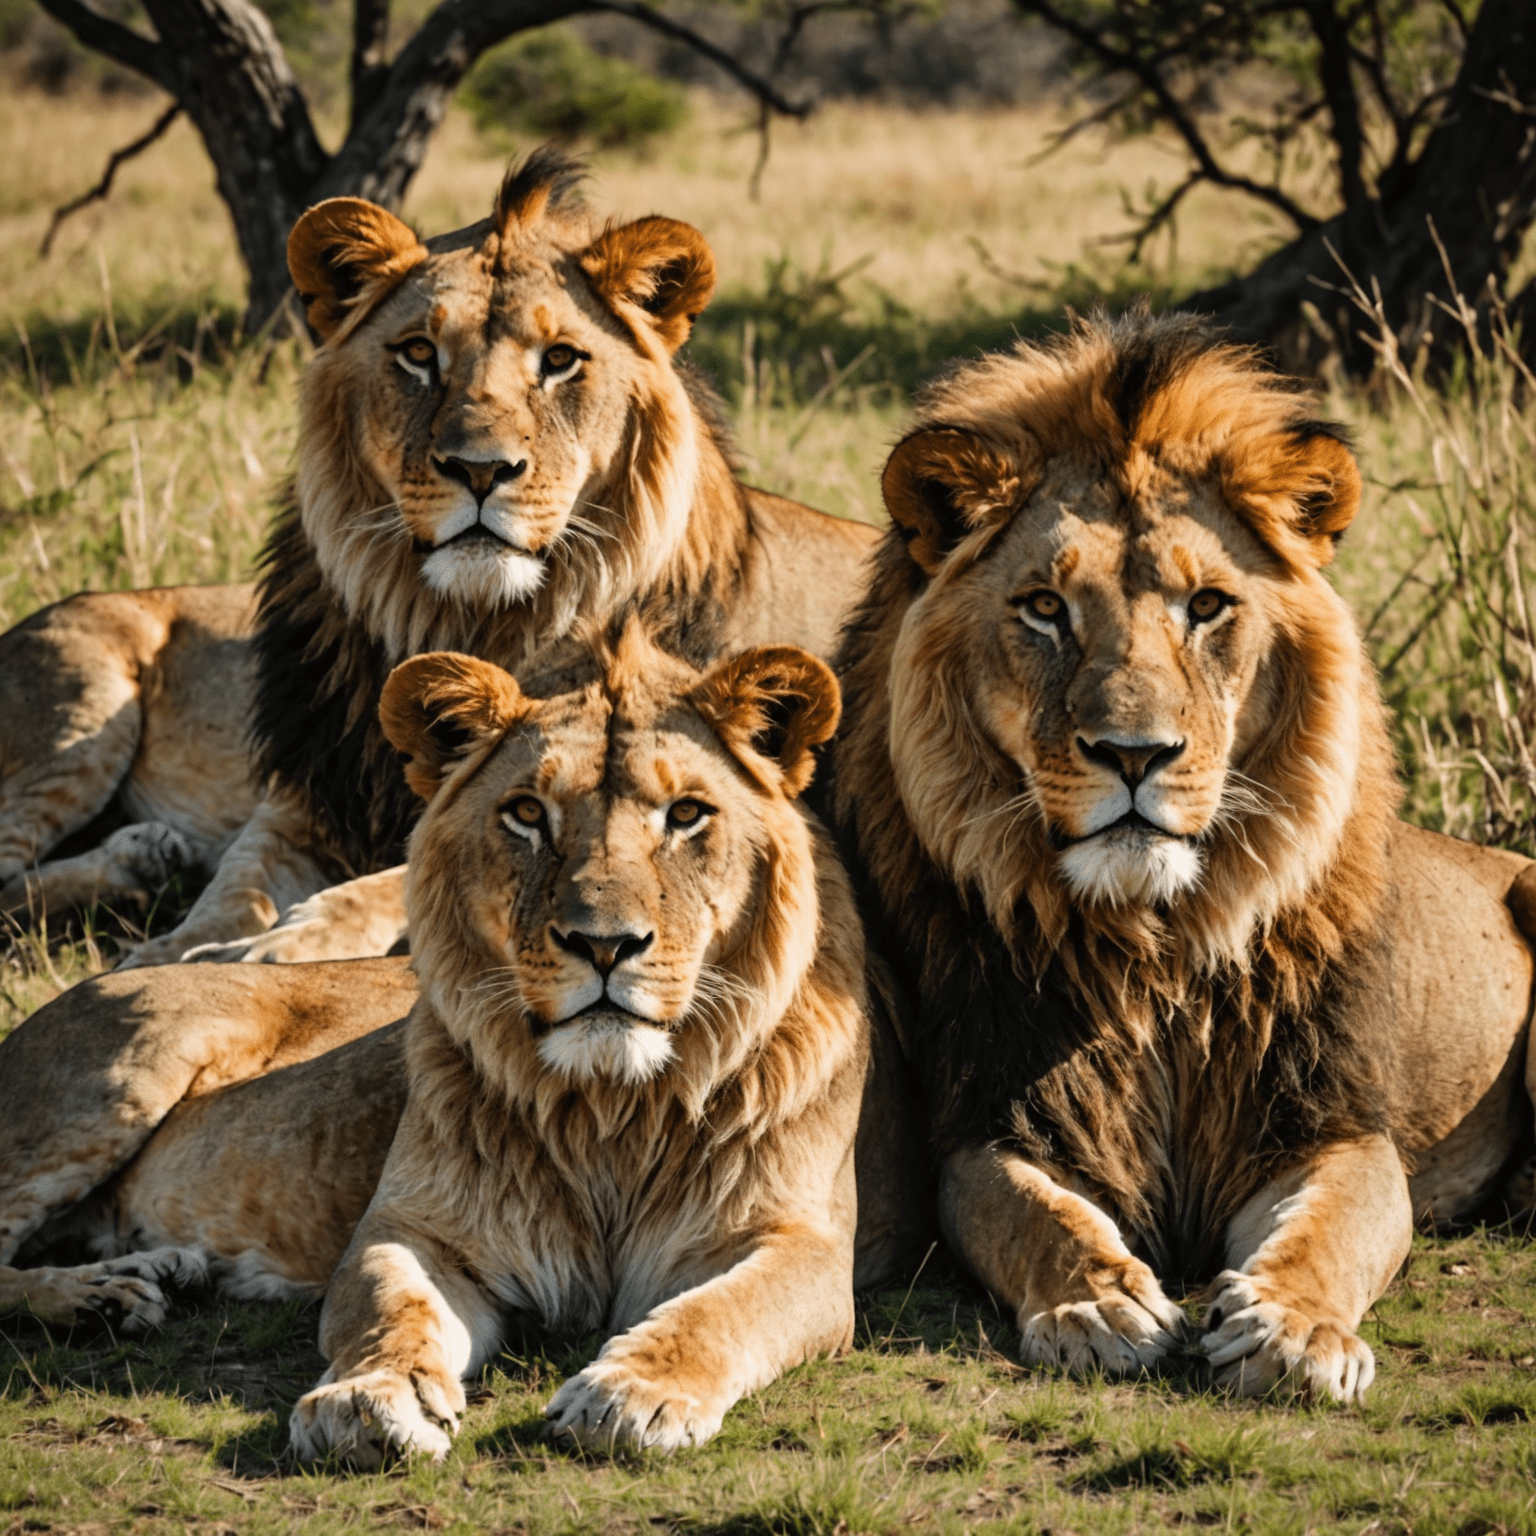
[[928, 1423], [139, 438]]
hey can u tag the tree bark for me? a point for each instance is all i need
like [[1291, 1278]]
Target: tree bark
[[1475, 179]]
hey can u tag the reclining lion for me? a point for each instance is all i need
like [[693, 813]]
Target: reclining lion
[[630, 1086], [494, 441], [1192, 1004], [132, 704]]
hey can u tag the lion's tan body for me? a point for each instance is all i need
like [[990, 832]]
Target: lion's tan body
[[494, 442], [133, 700], [234, 1124], [1192, 1005]]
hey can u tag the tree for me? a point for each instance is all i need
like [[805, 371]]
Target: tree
[[222, 64], [1431, 119]]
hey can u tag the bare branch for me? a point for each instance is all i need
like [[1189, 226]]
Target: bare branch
[[1173, 111], [104, 186], [1154, 220], [765, 91], [121, 44], [370, 40]]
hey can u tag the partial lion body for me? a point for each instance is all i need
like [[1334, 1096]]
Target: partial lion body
[[137, 701], [1192, 1005]]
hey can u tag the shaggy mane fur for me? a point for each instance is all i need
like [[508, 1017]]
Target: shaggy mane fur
[[726, 1123], [1166, 1060], [342, 599]]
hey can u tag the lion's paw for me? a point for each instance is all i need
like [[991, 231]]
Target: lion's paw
[[1254, 1342], [610, 1406], [171, 1269], [368, 1419], [126, 1303], [1119, 1333]]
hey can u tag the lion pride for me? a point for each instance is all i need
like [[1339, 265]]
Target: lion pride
[[630, 1085], [1193, 1006], [494, 441]]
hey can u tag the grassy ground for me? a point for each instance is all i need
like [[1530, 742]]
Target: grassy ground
[[138, 443], [927, 1424]]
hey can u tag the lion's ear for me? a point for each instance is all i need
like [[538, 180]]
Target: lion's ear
[[945, 482], [772, 705], [660, 266], [345, 250], [1327, 488], [439, 706]]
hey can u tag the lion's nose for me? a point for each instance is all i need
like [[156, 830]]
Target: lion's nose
[[479, 476], [603, 951], [1132, 760]]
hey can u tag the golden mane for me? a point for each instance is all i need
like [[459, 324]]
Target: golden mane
[[950, 834]]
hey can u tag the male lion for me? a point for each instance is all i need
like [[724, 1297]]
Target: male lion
[[133, 704], [631, 1083], [1192, 1002], [494, 440]]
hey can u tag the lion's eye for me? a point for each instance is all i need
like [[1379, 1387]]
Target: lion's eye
[[525, 811], [1206, 604], [687, 813], [418, 351], [558, 358], [1046, 605]]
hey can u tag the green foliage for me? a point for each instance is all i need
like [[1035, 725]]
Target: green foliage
[[550, 83]]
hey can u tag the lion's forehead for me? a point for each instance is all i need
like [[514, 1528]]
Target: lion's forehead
[[580, 749], [1169, 538]]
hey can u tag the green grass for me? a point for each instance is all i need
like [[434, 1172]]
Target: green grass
[[928, 1423]]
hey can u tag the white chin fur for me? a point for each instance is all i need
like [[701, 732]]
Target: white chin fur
[[483, 575], [604, 1047], [1121, 870]]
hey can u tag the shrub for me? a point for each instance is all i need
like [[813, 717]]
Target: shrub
[[552, 84]]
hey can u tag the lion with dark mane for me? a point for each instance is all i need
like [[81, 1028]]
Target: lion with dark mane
[[494, 440], [1192, 1004]]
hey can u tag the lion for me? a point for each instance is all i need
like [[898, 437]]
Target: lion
[[494, 441], [626, 1096], [122, 752], [1192, 1004]]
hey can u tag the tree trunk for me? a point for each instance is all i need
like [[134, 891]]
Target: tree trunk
[[1475, 178]]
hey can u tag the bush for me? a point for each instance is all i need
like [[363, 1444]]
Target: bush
[[552, 84]]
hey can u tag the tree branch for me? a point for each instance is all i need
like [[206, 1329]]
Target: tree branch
[[385, 148], [119, 43], [765, 91], [370, 68], [1171, 109], [104, 186]]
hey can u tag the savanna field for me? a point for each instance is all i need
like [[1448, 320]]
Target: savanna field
[[140, 438]]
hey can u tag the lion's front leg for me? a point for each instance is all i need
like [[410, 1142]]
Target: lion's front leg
[[356, 920], [1306, 1257], [402, 1325], [1082, 1299], [670, 1380], [269, 867]]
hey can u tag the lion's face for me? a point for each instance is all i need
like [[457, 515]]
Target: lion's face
[[1121, 659], [1122, 626], [491, 406], [604, 856]]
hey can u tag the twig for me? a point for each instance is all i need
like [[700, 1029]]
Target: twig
[[764, 90], [99, 192]]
